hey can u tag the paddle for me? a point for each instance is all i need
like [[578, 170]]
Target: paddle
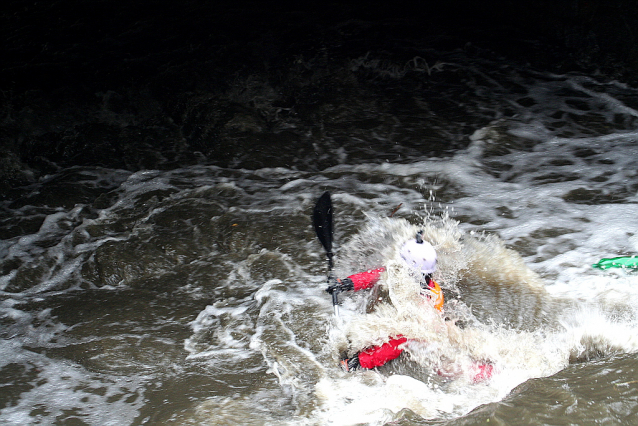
[[322, 221]]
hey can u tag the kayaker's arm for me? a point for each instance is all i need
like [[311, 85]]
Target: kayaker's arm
[[375, 356], [356, 282]]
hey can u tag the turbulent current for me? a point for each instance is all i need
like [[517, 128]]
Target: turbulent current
[[195, 295]]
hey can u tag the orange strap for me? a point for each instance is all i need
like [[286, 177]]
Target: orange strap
[[437, 296]]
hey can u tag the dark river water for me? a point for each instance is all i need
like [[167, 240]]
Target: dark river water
[[158, 260]]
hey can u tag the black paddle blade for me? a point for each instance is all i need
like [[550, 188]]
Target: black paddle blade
[[322, 220]]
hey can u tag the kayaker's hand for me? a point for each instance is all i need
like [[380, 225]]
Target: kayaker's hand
[[345, 284], [350, 364]]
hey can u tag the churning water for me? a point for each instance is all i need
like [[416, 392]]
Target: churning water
[[195, 295]]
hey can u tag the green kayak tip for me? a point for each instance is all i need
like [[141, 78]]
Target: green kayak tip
[[627, 262]]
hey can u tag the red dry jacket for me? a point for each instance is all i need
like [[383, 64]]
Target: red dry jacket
[[365, 280], [376, 356]]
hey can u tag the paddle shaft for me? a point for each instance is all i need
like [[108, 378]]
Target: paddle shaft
[[322, 221]]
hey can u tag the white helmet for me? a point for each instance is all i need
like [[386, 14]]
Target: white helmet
[[420, 255]]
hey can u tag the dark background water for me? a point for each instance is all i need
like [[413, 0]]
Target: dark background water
[[137, 85]]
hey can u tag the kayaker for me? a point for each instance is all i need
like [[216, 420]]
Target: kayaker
[[420, 256]]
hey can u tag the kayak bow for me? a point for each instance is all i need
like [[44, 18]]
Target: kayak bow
[[625, 262]]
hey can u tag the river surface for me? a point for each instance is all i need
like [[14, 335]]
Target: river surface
[[193, 294]]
